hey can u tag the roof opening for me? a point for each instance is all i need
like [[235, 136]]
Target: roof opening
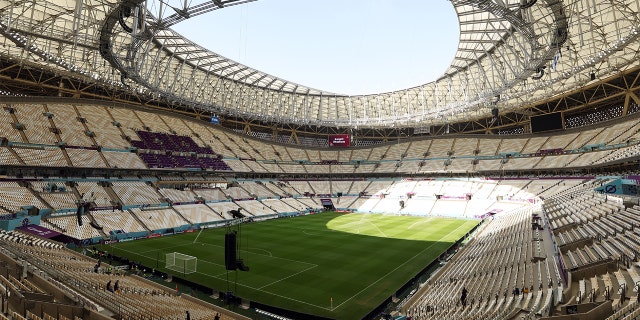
[[346, 47]]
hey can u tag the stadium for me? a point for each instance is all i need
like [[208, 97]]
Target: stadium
[[143, 176]]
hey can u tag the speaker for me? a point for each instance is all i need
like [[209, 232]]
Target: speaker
[[230, 258], [79, 213]]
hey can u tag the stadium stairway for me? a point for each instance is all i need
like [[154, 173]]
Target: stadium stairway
[[94, 222], [545, 190], [181, 216], [310, 186], [86, 129], [348, 191], [65, 154], [348, 205], [135, 216], [23, 135], [219, 214], [290, 206], [75, 191], [16, 156], [52, 125], [36, 195], [104, 159], [112, 194], [113, 120], [55, 226]]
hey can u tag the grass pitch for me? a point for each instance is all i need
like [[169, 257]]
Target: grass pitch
[[330, 264]]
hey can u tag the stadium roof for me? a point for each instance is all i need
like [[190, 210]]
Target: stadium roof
[[511, 53]]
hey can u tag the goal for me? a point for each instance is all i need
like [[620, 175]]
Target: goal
[[182, 263]]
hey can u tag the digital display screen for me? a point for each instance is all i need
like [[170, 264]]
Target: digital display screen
[[547, 122], [340, 140]]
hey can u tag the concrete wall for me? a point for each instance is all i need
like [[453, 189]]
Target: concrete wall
[[586, 311]]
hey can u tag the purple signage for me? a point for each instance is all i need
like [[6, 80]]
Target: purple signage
[[39, 231]]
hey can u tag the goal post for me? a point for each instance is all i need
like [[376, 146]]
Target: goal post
[[182, 263]]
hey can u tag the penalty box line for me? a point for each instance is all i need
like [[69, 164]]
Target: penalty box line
[[261, 288], [269, 292], [140, 253], [163, 249], [285, 278], [270, 255]]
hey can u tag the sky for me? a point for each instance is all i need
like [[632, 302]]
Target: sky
[[346, 47]]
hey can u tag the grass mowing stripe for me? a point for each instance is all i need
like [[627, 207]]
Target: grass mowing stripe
[[301, 263], [285, 278], [376, 226], [171, 247], [270, 255], [267, 292], [398, 267]]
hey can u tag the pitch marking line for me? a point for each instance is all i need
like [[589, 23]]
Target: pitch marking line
[[198, 236], [269, 254], [259, 289], [163, 249], [360, 224], [211, 262], [291, 260], [268, 292], [263, 250], [285, 278], [348, 224], [304, 302], [140, 253], [381, 232], [398, 267], [321, 233], [428, 219]]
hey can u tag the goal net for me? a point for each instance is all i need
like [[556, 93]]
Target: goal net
[[181, 262]]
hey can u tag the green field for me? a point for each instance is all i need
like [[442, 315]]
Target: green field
[[330, 264]]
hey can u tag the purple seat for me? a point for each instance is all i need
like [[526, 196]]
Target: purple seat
[[175, 143]]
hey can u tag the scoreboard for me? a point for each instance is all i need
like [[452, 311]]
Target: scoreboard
[[340, 140]]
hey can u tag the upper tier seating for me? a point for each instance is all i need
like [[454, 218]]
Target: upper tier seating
[[172, 142], [158, 160], [168, 142], [112, 220], [157, 219], [135, 192]]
